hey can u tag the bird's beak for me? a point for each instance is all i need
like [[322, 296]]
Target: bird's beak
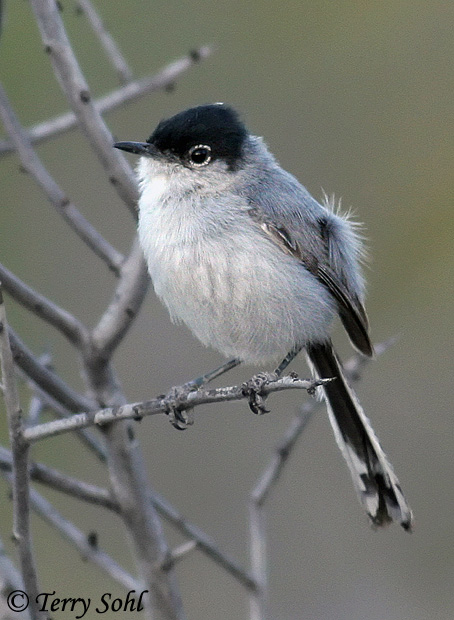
[[138, 148]]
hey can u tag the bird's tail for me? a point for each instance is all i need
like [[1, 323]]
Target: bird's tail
[[375, 481]]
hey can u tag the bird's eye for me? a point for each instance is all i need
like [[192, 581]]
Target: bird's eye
[[199, 155]]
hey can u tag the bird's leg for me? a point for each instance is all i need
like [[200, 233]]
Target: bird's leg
[[253, 388], [195, 384], [180, 419], [287, 360]]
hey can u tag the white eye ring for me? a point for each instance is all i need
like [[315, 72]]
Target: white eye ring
[[192, 151]]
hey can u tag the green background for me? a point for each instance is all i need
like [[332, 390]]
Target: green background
[[355, 97]]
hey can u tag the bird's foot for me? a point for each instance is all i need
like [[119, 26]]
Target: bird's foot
[[253, 389], [179, 417]]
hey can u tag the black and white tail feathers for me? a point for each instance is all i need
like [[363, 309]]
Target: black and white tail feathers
[[375, 481]]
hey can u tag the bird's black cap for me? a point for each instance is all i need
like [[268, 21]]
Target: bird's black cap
[[215, 125]]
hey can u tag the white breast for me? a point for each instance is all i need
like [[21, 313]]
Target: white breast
[[233, 288]]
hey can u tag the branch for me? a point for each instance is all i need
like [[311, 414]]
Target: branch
[[32, 164], [65, 484], [125, 305], [271, 474], [79, 540], [85, 435], [46, 379], [204, 542], [45, 309], [110, 47], [10, 579], [75, 87], [161, 80], [137, 411], [20, 478]]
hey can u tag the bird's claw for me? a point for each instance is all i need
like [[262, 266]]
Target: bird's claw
[[253, 390], [178, 417]]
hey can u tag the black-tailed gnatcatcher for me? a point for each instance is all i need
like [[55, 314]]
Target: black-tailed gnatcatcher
[[239, 250]]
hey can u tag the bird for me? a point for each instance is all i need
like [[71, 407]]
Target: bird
[[239, 250]]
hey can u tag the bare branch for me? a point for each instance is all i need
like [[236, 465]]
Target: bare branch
[[126, 302], [178, 554], [75, 87], [65, 484], [31, 162], [10, 580], [20, 479], [204, 542], [161, 80], [79, 540], [161, 405], [85, 435], [110, 47], [47, 379], [271, 474], [102, 497], [45, 309]]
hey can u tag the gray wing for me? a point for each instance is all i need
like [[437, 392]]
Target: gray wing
[[323, 242]]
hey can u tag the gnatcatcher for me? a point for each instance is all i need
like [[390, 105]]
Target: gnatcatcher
[[239, 250]]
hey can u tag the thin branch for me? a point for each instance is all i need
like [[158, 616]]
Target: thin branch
[[65, 484], [125, 305], [152, 83], [45, 309], [162, 405], [178, 554], [204, 542], [32, 164], [102, 497], [85, 435], [271, 474], [11, 580], [110, 47], [75, 87], [20, 479], [79, 540], [46, 379]]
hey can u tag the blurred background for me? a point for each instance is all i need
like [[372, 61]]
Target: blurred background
[[355, 98]]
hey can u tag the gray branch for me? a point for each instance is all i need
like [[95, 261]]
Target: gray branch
[[271, 474], [20, 479], [46, 379], [162, 405], [79, 540], [45, 309], [65, 484], [75, 87], [109, 45], [150, 84], [33, 165]]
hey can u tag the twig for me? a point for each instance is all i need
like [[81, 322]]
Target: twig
[[75, 87], [102, 497], [270, 475], [32, 164], [45, 309], [161, 80], [125, 305], [204, 542], [85, 435], [10, 580], [161, 405], [110, 47], [47, 379], [20, 479], [178, 554], [65, 484], [79, 540]]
